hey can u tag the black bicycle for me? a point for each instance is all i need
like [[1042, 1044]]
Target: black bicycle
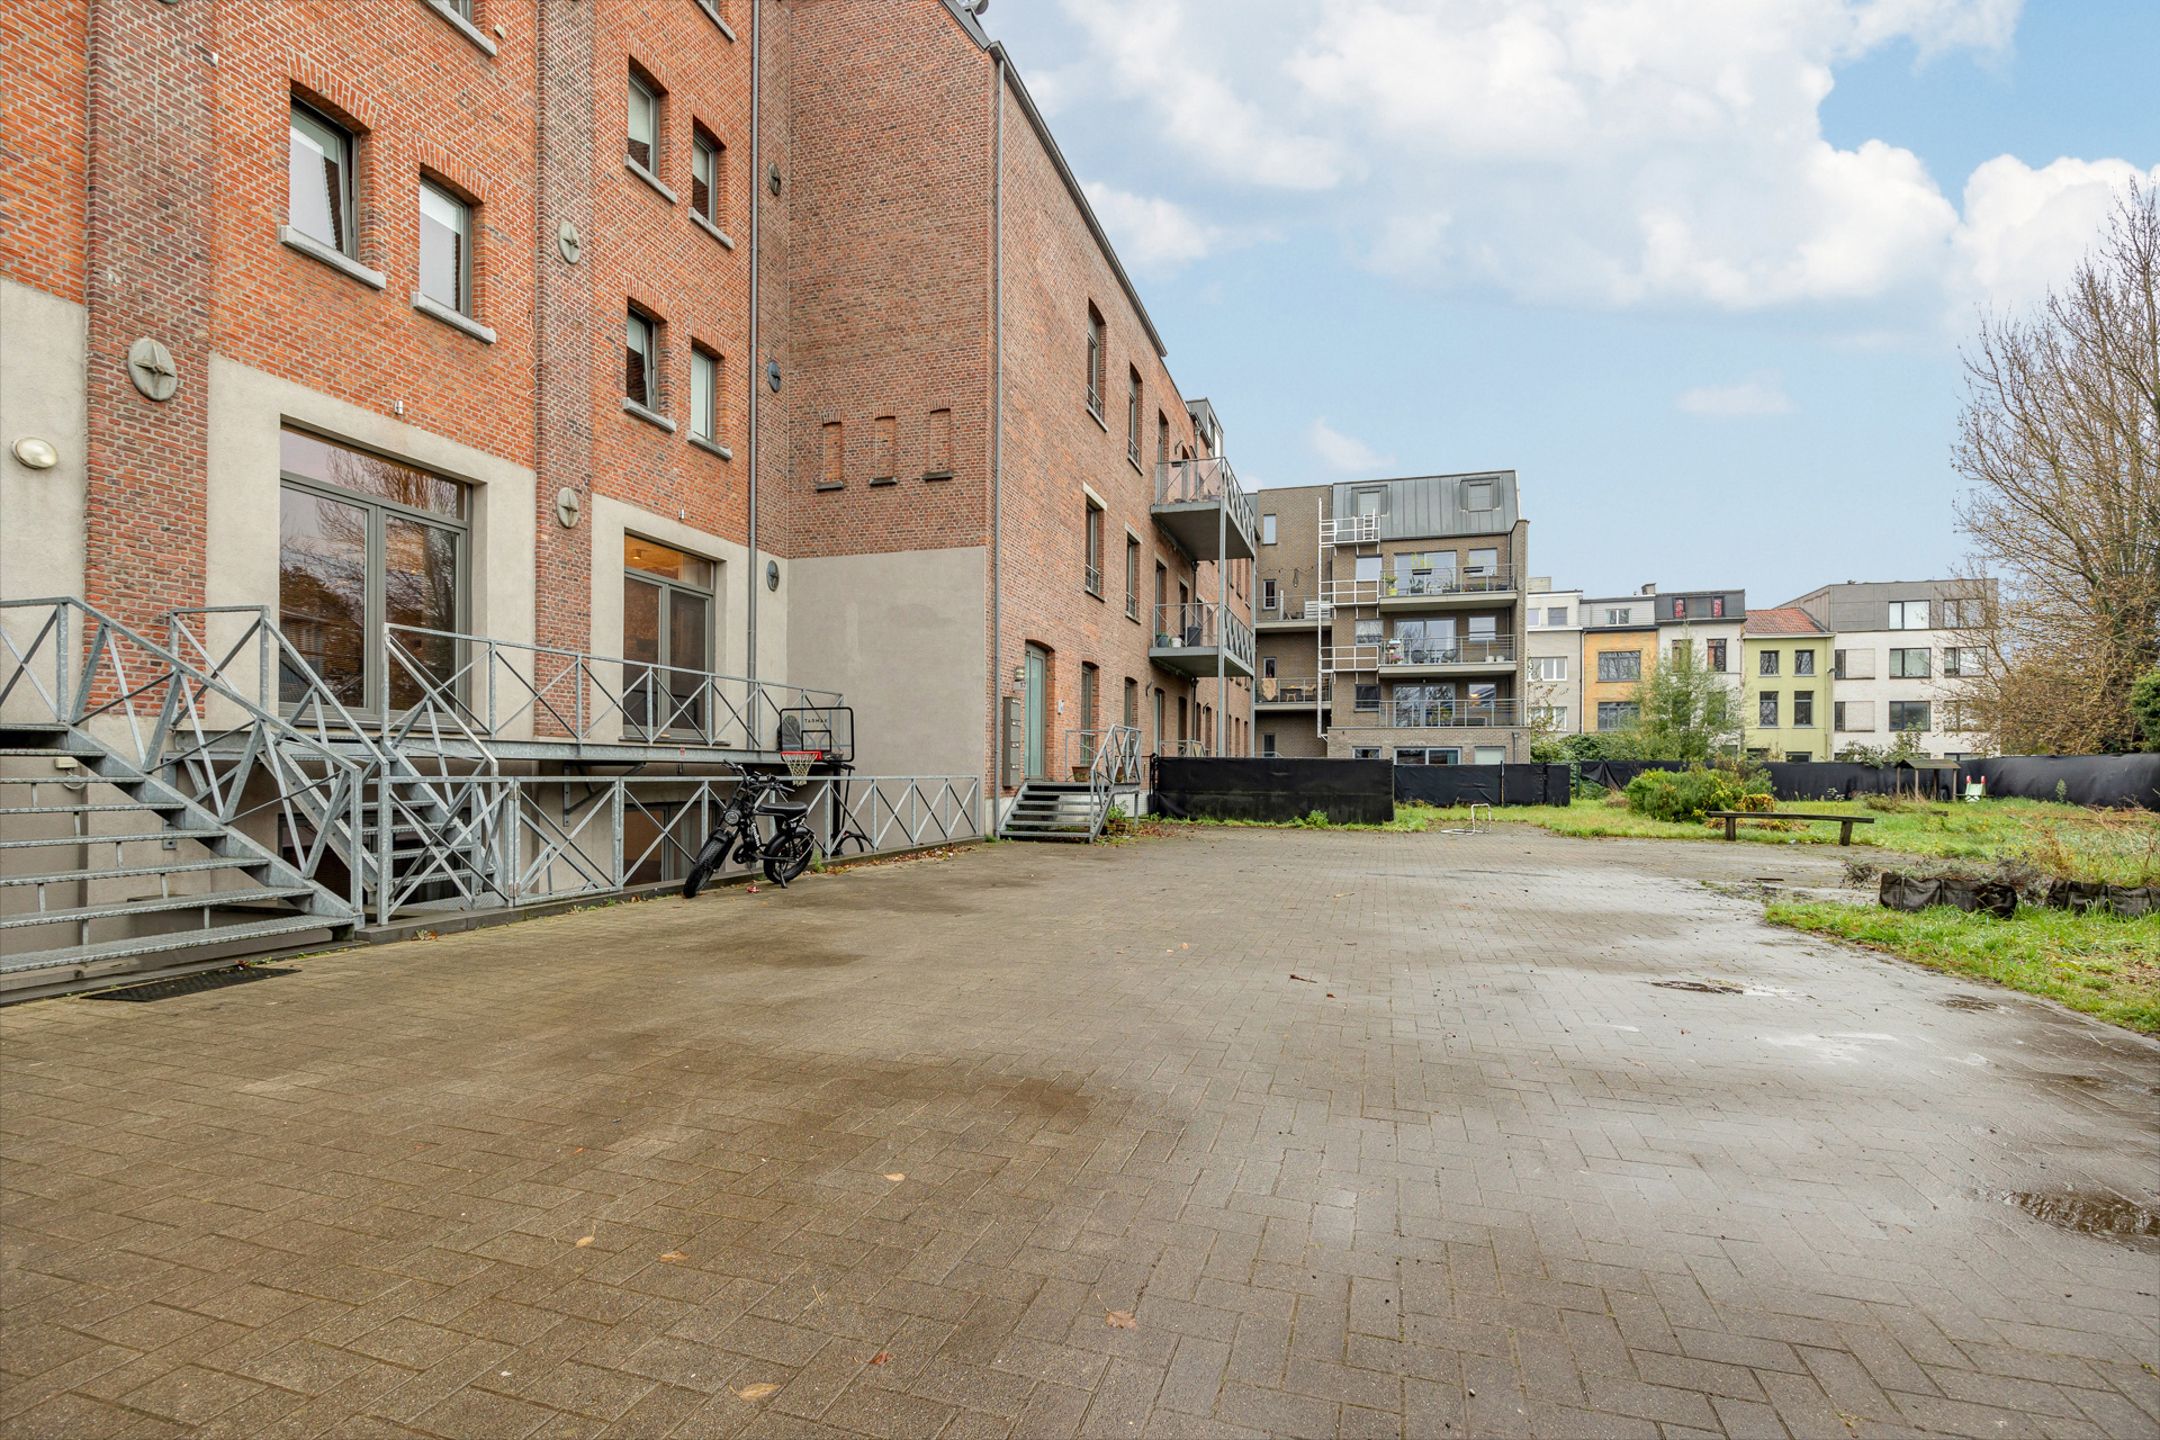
[[784, 857]]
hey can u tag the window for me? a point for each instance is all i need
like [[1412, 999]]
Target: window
[[667, 638], [1837, 715], [1366, 698], [644, 151], [704, 394], [1908, 615], [884, 441], [1766, 710], [1958, 613], [1803, 709], [1909, 664], [1267, 529], [1803, 662], [1766, 662], [1909, 715], [1269, 598], [1554, 716], [1714, 655], [1557, 616], [940, 446], [1365, 632], [1960, 660], [1093, 575], [445, 248], [706, 154], [1369, 502], [641, 362], [320, 198], [1132, 415], [1132, 703], [1095, 361], [1717, 607], [1267, 744], [1619, 665], [1489, 755], [1798, 757], [1479, 495], [1854, 664], [1090, 693], [1483, 562], [366, 542], [1162, 440], [1162, 594], [1548, 667], [834, 441], [1858, 715], [1365, 752], [1366, 569], [1681, 651], [1617, 714], [1132, 578], [1679, 607], [1622, 616]]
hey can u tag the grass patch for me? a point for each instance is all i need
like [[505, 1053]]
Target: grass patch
[[2099, 964], [1410, 818]]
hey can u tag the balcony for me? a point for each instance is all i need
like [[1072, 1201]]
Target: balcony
[[1202, 640], [1441, 715], [1404, 656], [1435, 589], [1200, 504], [1350, 530], [1282, 693], [1293, 615]]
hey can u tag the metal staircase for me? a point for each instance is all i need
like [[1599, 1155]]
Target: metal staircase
[[1079, 809]]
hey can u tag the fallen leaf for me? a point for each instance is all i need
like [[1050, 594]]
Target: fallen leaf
[[674, 1255], [1184, 945], [881, 1357], [896, 1176], [756, 1392], [1121, 1320], [1331, 994], [584, 1242], [1306, 978]]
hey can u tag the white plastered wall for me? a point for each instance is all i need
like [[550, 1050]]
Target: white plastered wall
[[42, 354]]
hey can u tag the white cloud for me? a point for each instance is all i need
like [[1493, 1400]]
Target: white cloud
[[2025, 229], [1151, 232], [1344, 453], [1761, 395]]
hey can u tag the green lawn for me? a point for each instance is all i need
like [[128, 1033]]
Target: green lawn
[[2101, 965]]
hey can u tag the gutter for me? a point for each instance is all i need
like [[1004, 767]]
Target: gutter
[[992, 786], [750, 439]]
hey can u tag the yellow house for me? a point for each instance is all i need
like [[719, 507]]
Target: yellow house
[[1785, 685]]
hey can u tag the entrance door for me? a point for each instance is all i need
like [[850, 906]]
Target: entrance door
[[1038, 712]]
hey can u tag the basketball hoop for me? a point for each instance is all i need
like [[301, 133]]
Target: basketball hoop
[[798, 762]]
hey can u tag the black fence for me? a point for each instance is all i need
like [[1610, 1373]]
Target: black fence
[[1483, 784], [1806, 780], [2113, 780], [1276, 790]]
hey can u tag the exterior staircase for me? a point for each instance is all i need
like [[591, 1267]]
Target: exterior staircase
[[109, 872], [1078, 809]]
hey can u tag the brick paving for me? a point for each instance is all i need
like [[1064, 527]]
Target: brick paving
[[878, 1156]]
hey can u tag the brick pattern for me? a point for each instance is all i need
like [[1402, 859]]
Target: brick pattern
[[44, 54], [1476, 1177]]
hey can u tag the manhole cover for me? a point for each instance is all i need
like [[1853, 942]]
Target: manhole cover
[[1969, 1002], [1700, 987], [194, 984]]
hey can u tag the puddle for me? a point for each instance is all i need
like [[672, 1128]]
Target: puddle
[[2089, 1212], [1700, 987], [1969, 1002]]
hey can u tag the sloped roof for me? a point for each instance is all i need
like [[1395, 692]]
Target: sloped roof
[[1782, 620]]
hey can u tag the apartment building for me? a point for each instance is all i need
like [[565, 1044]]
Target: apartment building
[[1902, 646], [1786, 683], [1553, 669], [1393, 619], [618, 383], [1619, 649]]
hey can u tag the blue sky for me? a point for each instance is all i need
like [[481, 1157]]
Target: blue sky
[[1697, 270]]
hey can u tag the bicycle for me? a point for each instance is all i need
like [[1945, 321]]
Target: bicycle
[[783, 858]]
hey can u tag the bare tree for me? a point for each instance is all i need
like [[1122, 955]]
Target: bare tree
[[2060, 440]]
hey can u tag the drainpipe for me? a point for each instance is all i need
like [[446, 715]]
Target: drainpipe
[[991, 786], [755, 377]]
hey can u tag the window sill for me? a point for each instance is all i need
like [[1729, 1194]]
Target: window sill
[[825, 485], [937, 474], [883, 480], [1097, 416], [652, 418], [337, 260], [714, 15], [1134, 461], [708, 227], [1097, 594], [649, 178], [463, 26], [455, 319], [712, 447]]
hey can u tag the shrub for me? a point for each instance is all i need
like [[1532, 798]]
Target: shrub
[[1686, 795]]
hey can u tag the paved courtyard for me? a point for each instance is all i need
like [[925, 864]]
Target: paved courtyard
[[1232, 1133]]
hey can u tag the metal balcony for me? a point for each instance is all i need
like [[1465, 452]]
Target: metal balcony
[[1448, 657], [1420, 588], [1200, 504], [1203, 639], [1282, 693], [1444, 715]]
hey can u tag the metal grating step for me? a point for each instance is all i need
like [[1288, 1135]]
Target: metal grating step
[[132, 839], [207, 900], [130, 872], [125, 809], [77, 751], [12, 965]]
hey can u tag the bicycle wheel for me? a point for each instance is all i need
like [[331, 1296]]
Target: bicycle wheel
[[708, 860], [787, 857]]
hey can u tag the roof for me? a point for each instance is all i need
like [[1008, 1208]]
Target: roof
[[1783, 620]]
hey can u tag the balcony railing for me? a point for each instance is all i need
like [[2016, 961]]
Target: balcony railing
[[1206, 479], [1350, 530], [1201, 625], [1433, 714], [1400, 651], [1350, 657], [1408, 582], [1350, 592], [1304, 690]]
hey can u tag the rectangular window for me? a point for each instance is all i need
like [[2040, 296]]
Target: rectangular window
[[1908, 615], [1366, 632], [1162, 440], [1681, 651], [1766, 709], [1619, 665], [1766, 662], [1837, 715], [1162, 589], [1367, 698], [1132, 578], [1095, 361], [1267, 744], [1548, 667], [1714, 655], [1717, 607], [667, 638], [1270, 598], [705, 161], [1909, 664], [1960, 660], [1909, 715], [1483, 562], [884, 441], [1617, 714], [834, 472], [1679, 607], [1132, 416], [1803, 709], [644, 151], [1090, 687], [319, 202], [1959, 613], [445, 248], [1557, 616], [1132, 703], [1479, 495], [1267, 529], [1623, 616], [641, 361], [1370, 502], [1803, 662], [940, 446], [1093, 576], [704, 394]]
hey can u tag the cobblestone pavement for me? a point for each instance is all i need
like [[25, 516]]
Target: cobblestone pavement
[[1369, 1134]]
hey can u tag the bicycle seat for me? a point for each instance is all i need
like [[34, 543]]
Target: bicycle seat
[[780, 807]]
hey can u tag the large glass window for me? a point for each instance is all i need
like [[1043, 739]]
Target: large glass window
[[1424, 705], [1619, 666], [320, 201], [366, 542], [1909, 663], [1424, 642], [1908, 615], [1617, 714], [667, 638], [445, 248], [1909, 715], [1766, 709]]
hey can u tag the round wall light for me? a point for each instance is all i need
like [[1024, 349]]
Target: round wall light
[[36, 453]]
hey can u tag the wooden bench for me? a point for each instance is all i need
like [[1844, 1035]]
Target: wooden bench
[[1732, 819]]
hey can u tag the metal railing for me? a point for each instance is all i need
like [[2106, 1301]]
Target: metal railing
[[1304, 690], [1207, 478], [1204, 625], [1350, 530], [1401, 651], [1400, 582], [1350, 592], [1113, 751], [1197, 748], [1427, 714], [1357, 656]]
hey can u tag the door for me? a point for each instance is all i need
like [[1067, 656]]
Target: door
[[667, 639], [1038, 712]]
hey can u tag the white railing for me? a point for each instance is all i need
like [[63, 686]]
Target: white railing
[[1350, 657], [1350, 592], [1350, 530], [1304, 690]]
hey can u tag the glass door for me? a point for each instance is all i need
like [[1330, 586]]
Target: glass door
[[1038, 711], [667, 640]]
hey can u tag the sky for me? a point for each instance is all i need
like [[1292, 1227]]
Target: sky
[[1699, 271]]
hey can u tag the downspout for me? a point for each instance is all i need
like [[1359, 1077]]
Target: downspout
[[992, 786], [750, 439]]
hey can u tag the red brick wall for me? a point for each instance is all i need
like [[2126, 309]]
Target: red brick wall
[[44, 123]]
